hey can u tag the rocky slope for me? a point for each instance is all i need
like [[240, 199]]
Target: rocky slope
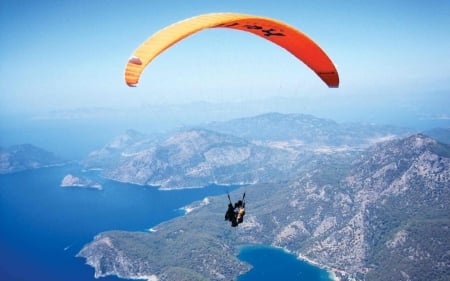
[[382, 217], [200, 157], [265, 148]]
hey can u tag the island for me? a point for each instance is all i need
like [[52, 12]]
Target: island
[[73, 181]]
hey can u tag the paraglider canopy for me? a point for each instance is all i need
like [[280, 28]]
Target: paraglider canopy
[[285, 36]]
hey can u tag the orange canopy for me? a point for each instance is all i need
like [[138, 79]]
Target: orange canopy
[[291, 39]]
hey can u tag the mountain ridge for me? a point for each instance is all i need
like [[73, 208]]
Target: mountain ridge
[[24, 157], [355, 222], [214, 154]]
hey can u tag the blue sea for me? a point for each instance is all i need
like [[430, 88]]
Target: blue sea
[[43, 226], [276, 264]]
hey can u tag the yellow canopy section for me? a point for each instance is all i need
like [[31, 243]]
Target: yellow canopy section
[[275, 31]]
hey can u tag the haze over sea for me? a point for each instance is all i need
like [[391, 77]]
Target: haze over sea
[[43, 225]]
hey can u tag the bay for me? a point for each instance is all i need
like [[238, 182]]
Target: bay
[[43, 226], [271, 263]]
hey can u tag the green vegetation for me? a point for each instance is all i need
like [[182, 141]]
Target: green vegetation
[[423, 255], [382, 215]]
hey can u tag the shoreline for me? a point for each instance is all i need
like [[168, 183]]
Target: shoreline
[[333, 273]]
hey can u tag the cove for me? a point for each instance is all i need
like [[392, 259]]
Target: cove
[[271, 263]]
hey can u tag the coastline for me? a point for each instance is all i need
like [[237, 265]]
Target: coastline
[[332, 273]]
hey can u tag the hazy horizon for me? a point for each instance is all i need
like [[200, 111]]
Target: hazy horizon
[[63, 66], [75, 133]]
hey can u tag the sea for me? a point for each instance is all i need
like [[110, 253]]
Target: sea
[[43, 225]]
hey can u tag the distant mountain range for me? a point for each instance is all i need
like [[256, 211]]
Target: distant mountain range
[[308, 129], [263, 148], [24, 157], [383, 216]]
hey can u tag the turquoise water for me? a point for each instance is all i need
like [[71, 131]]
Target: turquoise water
[[276, 264], [43, 226]]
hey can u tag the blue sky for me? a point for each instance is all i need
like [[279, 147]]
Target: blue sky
[[62, 55]]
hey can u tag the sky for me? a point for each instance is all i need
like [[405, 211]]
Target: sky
[[69, 56]]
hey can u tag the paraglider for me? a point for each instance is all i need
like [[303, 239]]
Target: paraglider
[[277, 32], [235, 214]]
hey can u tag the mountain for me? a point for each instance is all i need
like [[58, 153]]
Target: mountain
[[384, 216], [123, 145], [407, 203], [24, 157], [308, 129], [270, 147], [198, 157]]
